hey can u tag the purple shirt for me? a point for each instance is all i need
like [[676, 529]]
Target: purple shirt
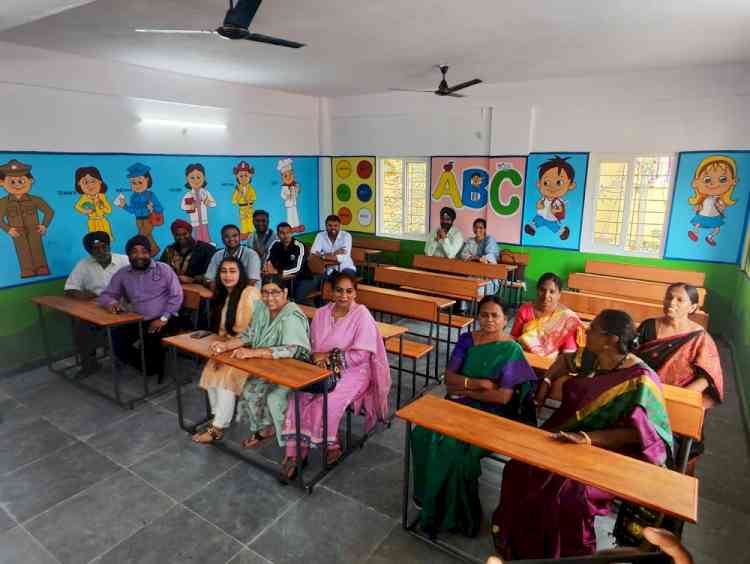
[[153, 292]]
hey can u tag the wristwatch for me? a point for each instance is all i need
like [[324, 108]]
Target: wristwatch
[[164, 318]]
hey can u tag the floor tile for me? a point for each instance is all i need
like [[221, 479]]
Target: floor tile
[[18, 547], [132, 438], [88, 524], [392, 437], [175, 538], [399, 546], [721, 533], [40, 485], [19, 384], [30, 442], [6, 521], [198, 464], [249, 557], [193, 404], [244, 501], [325, 528], [13, 415]]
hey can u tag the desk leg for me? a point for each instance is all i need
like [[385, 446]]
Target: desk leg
[[437, 352], [115, 367], [683, 456], [43, 329], [400, 365], [324, 455], [407, 472], [143, 358], [177, 386], [298, 431], [448, 343]]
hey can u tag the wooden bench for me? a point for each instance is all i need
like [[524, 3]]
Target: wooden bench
[[649, 273], [642, 290], [466, 268], [387, 245], [448, 285]]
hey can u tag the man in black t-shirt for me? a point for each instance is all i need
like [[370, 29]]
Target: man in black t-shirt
[[287, 257]]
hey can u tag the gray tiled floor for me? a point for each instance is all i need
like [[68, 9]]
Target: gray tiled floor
[[82, 480]]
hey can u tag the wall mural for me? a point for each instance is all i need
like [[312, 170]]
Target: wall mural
[[51, 200], [354, 195], [709, 206], [480, 187]]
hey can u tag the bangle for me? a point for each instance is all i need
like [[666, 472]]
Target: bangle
[[586, 436], [547, 381], [466, 383]]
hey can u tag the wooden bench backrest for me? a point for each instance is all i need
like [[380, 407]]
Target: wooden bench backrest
[[650, 273], [441, 284], [191, 300], [358, 255], [509, 257], [642, 290], [392, 245], [442, 264], [395, 303], [685, 409]]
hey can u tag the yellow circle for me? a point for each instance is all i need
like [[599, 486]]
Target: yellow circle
[[344, 168]]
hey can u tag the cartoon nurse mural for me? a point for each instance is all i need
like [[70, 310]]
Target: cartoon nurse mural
[[290, 191], [144, 204], [197, 200], [713, 183], [555, 180], [93, 203], [244, 197]]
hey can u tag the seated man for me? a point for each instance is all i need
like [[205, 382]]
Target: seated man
[[262, 238], [446, 240], [89, 277], [335, 245], [248, 258], [287, 258], [152, 290], [188, 258]]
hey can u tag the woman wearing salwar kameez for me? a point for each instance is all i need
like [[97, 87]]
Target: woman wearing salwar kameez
[[619, 407], [487, 371], [346, 330]]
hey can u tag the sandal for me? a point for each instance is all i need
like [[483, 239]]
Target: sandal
[[289, 469], [210, 435], [256, 440], [333, 456]]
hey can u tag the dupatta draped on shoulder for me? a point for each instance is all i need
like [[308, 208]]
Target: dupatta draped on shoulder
[[548, 334], [288, 329]]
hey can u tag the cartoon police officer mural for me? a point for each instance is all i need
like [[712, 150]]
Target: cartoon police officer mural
[[19, 218], [143, 204]]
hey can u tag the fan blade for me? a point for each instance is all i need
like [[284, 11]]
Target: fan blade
[[408, 90], [463, 85], [274, 40], [454, 95], [178, 31]]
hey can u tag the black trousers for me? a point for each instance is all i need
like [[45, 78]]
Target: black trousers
[[123, 339]]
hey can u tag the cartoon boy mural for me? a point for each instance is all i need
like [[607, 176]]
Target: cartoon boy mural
[[244, 197], [19, 218], [290, 191], [555, 180], [93, 203], [144, 204], [197, 200], [714, 181]]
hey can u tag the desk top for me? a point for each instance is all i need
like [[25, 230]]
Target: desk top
[[387, 330], [202, 291], [88, 310], [466, 268], [627, 478], [288, 372], [368, 251], [478, 282], [441, 302]]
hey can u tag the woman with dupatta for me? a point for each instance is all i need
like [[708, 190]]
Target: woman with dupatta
[[279, 330], [620, 407], [487, 371], [347, 330], [546, 327]]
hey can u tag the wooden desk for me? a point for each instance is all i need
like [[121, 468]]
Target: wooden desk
[[194, 295], [448, 285], [651, 273], [627, 478], [91, 312], [388, 245], [466, 268], [642, 290]]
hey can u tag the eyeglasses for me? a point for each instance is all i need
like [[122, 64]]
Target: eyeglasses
[[348, 291], [271, 293]]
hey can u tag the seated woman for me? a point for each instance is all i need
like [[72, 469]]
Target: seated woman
[[487, 371], [619, 407], [482, 248], [546, 327], [231, 312], [279, 330], [680, 350], [345, 338]]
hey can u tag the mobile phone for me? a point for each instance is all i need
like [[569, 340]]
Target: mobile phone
[[200, 334]]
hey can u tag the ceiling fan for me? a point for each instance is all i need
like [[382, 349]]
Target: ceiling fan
[[443, 89], [235, 26]]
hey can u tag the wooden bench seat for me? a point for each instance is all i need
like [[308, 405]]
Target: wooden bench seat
[[456, 321], [462, 267], [412, 349], [650, 273], [642, 290]]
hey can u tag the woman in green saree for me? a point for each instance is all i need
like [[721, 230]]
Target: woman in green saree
[[487, 371]]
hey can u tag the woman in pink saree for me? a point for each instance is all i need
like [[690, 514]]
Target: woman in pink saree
[[348, 330]]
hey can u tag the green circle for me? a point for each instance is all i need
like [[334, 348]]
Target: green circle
[[343, 192]]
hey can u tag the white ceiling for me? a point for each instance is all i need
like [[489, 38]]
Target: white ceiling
[[364, 46]]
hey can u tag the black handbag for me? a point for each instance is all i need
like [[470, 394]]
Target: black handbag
[[328, 384]]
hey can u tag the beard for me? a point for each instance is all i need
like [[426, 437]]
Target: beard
[[140, 264], [446, 226]]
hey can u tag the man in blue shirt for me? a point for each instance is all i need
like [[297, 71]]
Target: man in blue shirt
[[143, 203]]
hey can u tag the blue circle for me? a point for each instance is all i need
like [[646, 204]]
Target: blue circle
[[364, 192]]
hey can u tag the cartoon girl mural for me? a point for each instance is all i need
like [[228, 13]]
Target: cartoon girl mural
[[197, 200], [244, 197], [290, 191], [713, 183], [93, 203]]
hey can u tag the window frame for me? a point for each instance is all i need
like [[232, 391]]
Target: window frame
[[381, 207], [592, 192]]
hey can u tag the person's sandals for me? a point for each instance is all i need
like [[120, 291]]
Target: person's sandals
[[333, 456], [289, 468], [210, 435], [256, 440]]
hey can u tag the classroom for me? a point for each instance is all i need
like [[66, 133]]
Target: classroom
[[347, 281]]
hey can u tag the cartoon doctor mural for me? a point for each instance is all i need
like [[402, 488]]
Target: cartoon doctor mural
[[714, 181], [290, 191], [197, 200]]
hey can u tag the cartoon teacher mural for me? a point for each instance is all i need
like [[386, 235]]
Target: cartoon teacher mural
[[556, 177], [290, 191], [713, 183], [19, 218], [197, 200], [144, 204], [93, 203], [244, 197]]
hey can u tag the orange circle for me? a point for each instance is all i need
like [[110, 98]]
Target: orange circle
[[345, 214]]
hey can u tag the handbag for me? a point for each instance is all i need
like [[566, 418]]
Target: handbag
[[155, 218], [328, 384], [631, 520]]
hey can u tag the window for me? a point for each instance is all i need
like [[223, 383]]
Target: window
[[403, 192], [627, 204]]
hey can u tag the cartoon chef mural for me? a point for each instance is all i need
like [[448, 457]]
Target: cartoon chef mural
[[290, 190]]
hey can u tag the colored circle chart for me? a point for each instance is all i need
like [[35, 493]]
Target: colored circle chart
[[364, 169], [364, 216], [364, 192], [344, 169], [345, 214], [343, 192]]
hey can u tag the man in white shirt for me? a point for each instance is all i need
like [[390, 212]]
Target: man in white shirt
[[247, 257], [446, 240], [334, 244], [89, 277]]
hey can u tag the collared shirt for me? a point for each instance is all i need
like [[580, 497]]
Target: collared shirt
[[323, 246], [152, 293], [248, 258], [192, 263], [291, 260], [486, 249], [447, 247], [89, 276], [138, 204], [261, 243]]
